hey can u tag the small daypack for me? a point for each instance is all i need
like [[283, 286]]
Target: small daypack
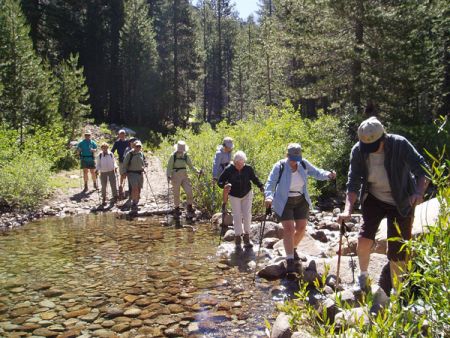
[[282, 165]]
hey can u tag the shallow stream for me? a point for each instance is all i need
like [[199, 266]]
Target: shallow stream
[[98, 275]]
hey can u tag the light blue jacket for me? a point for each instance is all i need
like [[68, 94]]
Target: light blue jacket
[[280, 193], [221, 160]]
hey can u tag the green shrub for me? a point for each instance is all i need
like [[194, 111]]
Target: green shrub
[[23, 181], [264, 139]]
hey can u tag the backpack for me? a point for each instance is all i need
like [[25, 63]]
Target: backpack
[[175, 159], [282, 165], [110, 154]]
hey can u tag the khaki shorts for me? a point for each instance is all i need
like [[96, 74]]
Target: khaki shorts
[[122, 170], [295, 208], [136, 180]]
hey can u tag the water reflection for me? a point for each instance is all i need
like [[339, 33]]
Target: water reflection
[[132, 277]]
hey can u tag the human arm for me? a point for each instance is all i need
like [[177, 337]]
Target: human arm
[[255, 179], [224, 177], [317, 173], [126, 161], [216, 165], [114, 147], [350, 201], [97, 164], [190, 165], [270, 187], [169, 170]]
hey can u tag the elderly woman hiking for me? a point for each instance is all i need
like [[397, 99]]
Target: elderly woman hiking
[[236, 180], [286, 191], [177, 174]]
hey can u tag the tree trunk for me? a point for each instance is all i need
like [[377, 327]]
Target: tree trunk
[[357, 63]]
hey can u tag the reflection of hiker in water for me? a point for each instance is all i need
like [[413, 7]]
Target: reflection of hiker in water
[[236, 180], [177, 174], [286, 192], [382, 169], [86, 151]]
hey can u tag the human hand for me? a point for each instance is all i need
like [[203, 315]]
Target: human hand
[[261, 189], [332, 175], [268, 203], [227, 187], [344, 216], [415, 199]]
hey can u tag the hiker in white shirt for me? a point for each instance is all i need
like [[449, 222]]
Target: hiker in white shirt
[[106, 166]]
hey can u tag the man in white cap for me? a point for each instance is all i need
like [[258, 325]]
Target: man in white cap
[[86, 151], [389, 174], [120, 145], [134, 165], [177, 174]]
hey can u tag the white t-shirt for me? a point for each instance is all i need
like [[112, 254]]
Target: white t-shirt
[[297, 184], [105, 163], [378, 180]]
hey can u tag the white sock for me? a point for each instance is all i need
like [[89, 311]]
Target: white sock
[[364, 273], [290, 256]]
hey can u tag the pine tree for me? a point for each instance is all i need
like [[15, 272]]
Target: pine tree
[[28, 99], [73, 96], [138, 57]]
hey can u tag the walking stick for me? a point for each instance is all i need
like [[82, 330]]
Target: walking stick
[[342, 229], [224, 209], [151, 190], [261, 234]]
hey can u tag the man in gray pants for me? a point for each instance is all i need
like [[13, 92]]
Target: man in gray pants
[[106, 166]]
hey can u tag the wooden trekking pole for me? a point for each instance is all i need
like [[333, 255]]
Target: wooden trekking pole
[[341, 234]]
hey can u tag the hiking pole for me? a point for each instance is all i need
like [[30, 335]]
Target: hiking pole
[[151, 190], [224, 209], [342, 228], [261, 234]]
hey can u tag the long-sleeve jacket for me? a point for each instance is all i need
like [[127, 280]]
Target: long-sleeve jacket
[[105, 162], [279, 193], [221, 160], [178, 162], [120, 146], [402, 163], [240, 180]]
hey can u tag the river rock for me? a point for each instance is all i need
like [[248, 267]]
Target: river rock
[[47, 303], [76, 313], [74, 333], [122, 327], [269, 242], [272, 271], [281, 327], [102, 333], [48, 315], [132, 312], [113, 312], [45, 332], [351, 317], [229, 236], [53, 293], [271, 229]]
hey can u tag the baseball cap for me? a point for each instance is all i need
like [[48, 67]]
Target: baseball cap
[[294, 151], [121, 131], [370, 134], [228, 142], [87, 132], [138, 143]]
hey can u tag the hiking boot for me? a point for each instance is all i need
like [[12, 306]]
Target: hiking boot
[[95, 186], [134, 206], [189, 211], [121, 195], [103, 200], [114, 200], [85, 187], [290, 266], [297, 258], [176, 212], [247, 243], [237, 242]]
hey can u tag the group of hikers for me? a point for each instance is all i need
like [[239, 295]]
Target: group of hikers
[[386, 171]]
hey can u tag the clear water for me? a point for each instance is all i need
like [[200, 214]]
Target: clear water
[[95, 263]]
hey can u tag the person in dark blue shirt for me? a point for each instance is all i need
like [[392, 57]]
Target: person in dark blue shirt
[[120, 145]]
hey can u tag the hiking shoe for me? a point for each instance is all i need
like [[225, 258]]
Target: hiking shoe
[[247, 243], [176, 212], [296, 256], [85, 187], [364, 283], [121, 194], [95, 186], [290, 266], [237, 241]]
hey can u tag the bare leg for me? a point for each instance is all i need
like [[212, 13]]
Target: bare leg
[[363, 249], [300, 229], [93, 175], [288, 237], [85, 175]]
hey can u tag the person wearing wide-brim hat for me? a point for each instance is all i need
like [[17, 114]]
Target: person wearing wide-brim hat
[[86, 151], [177, 174], [390, 177], [286, 192]]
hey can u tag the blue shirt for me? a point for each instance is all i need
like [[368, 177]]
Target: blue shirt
[[85, 147], [280, 193], [120, 146], [221, 160]]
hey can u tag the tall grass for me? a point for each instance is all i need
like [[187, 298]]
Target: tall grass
[[264, 139]]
